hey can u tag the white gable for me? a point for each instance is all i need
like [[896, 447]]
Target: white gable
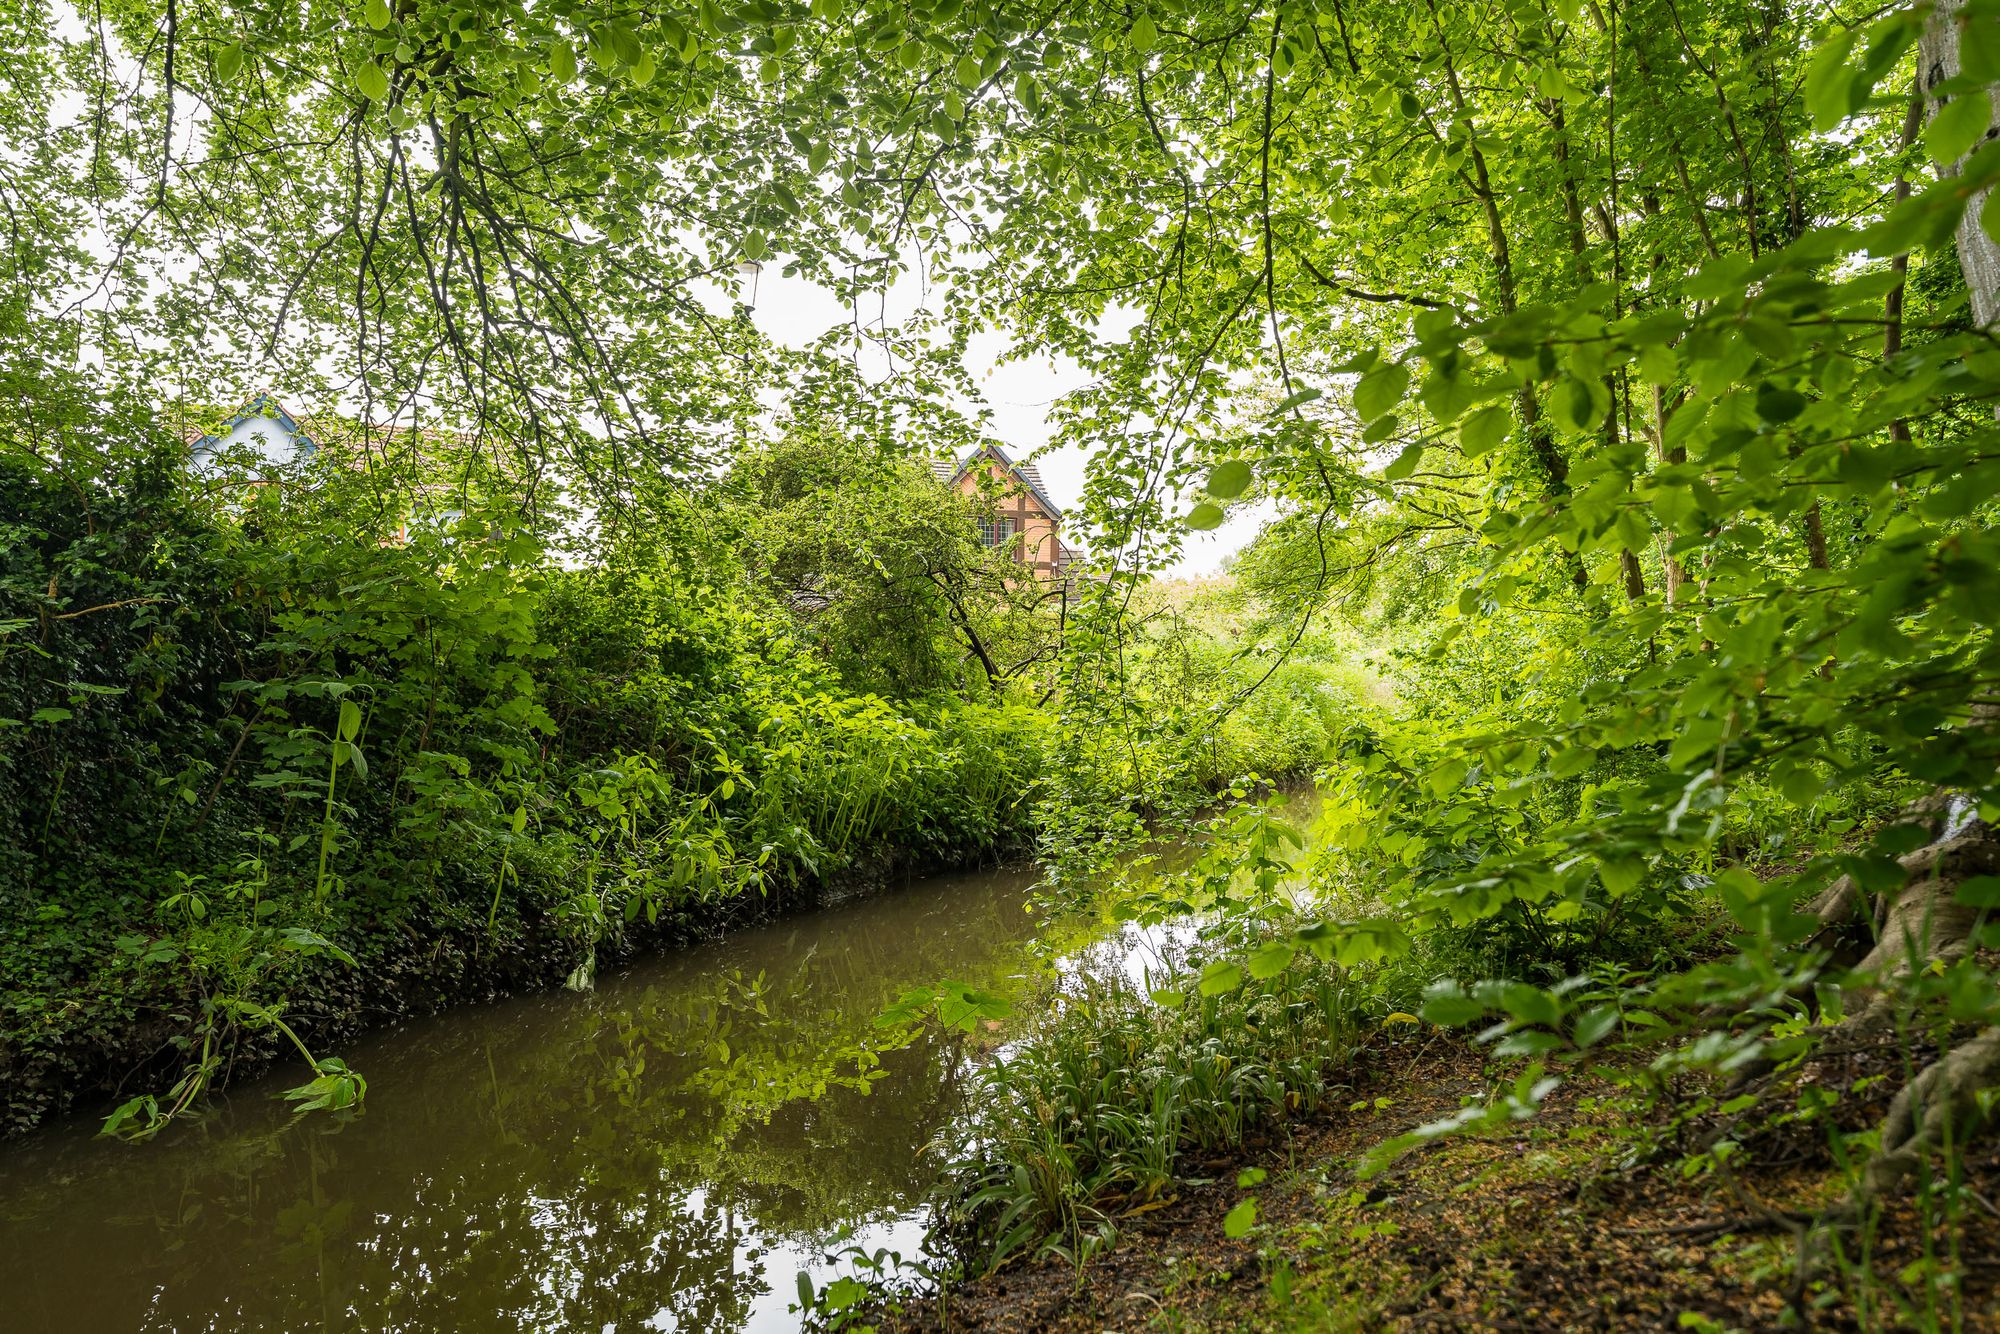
[[265, 430]]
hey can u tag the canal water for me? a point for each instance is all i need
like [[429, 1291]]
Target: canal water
[[668, 1152]]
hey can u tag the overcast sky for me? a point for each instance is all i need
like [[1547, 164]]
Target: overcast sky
[[1021, 394]]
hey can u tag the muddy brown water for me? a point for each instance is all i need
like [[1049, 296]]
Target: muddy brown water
[[668, 1152]]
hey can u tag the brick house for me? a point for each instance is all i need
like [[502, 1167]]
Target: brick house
[[1024, 520]]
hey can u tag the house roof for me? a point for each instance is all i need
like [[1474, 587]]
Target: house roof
[[1030, 475]]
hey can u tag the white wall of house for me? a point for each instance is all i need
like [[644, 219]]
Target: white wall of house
[[266, 437]]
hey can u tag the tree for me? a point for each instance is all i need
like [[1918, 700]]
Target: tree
[[883, 569]]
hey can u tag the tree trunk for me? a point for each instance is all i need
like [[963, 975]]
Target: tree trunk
[[1815, 538], [1676, 573], [1903, 933], [1892, 304], [1978, 253], [1923, 922]]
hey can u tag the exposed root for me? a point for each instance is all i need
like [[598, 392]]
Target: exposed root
[[1891, 937], [1942, 1104], [1923, 921]]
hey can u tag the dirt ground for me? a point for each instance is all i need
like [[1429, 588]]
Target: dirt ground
[[1550, 1224]]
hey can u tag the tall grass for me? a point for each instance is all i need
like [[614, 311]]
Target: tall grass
[[845, 775], [1093, 1114]]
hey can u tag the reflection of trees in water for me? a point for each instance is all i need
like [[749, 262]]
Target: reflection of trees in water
[[563, 1163]]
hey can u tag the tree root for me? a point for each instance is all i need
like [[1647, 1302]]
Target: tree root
[[1888, 938], [1941, 1105], [1923, 921]]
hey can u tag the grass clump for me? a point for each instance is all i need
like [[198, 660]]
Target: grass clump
[[1095, 1114]]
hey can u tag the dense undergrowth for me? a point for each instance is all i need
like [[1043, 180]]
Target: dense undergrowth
[[1299, 926], [267, 775]]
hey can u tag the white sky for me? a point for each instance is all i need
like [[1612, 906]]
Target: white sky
[[1021, 394]]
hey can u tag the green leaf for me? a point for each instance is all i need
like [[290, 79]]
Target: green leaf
[[372, 82], [967, 71], [1571, 762], [1204, 517], [350, 720], [1989, 216], [1404, 463], [1528, 1042], [1297, 399], [1777, 403], [1771, 337], [1485, 430], [1978, 45], [1449, 1007], [1594, 1026], [1381, 429], [1229, 480], [623, 43], [1621, 875], [844, 1292], [1531, 1004], [1220, 977], [1958, 125], [1271, 958], [1979, 891], [229, 62], [1380, 390], [1236, 1224], [562, 63], [377, 12], [1145, 36], [1448, 777], [1576, 403], [1658, 365], [1828, 78]]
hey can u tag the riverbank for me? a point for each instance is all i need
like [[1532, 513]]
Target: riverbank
[[82, 1054], [1577, 1219]]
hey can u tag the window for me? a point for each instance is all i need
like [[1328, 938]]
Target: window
[[996, 532]]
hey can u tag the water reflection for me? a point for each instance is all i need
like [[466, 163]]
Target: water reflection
[[664, 1154]]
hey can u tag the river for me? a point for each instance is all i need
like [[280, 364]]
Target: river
[[667, 1152]]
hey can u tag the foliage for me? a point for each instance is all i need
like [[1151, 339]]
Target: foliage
[[250, 766], [883, 569], [1091, 1117], [1623, 375]]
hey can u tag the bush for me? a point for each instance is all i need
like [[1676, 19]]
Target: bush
[[267, 770]]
